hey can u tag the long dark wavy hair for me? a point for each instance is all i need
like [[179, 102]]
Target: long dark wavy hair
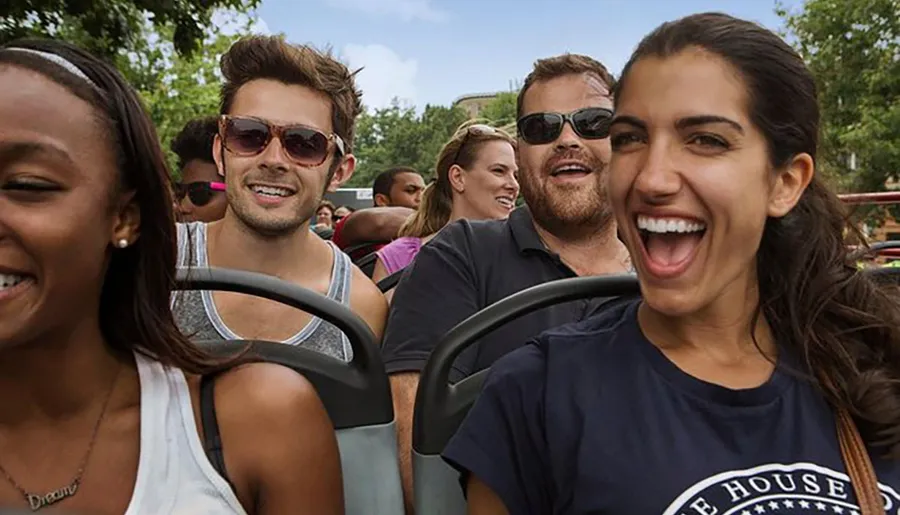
[[134, 304], [842, 323]]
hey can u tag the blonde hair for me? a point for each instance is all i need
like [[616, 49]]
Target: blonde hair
[[437, 199]]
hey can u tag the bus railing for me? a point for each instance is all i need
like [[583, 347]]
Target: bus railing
[[879, 198]]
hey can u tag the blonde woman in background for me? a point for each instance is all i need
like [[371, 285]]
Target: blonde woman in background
[[475, 179]]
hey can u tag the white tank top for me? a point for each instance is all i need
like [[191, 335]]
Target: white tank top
[[174, 475]]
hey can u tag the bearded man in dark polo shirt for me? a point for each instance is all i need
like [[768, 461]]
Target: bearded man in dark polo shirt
[[565, 230]]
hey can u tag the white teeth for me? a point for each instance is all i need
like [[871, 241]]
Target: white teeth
[[570, 169], [506, 202], [10, 280], [270, 190], [664, 225]]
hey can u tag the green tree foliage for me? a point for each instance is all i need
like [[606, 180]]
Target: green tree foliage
[[853, 49], [111, 27], [501, 111], [169, 51], [397, 136], [179, 88]]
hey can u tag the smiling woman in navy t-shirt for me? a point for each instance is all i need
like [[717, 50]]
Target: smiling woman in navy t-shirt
[[704, 396]]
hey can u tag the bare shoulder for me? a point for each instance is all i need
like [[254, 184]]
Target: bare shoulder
[[266, 384], [367, 301], [275, 431], [267, 397]]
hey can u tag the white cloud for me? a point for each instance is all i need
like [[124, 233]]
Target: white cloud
[[385, 74], [406, 10]]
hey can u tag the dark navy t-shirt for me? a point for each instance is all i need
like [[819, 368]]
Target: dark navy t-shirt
[[593, 418]]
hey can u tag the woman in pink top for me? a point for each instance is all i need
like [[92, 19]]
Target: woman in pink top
[[475, 179]]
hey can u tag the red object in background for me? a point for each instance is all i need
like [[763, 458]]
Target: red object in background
[[879, 198], [338, 239]]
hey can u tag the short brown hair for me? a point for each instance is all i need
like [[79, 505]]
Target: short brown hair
[[325, 203], [271, 57], [560, 66]]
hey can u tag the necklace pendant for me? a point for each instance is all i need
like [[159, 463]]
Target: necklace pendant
[[36, 502]]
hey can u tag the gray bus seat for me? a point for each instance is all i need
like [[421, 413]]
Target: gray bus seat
[[357, 394], [441, 407], [367, 264], [390, 282]]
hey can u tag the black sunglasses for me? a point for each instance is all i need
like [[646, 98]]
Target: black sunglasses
[[543, 128], [200, 192], [247, 136]]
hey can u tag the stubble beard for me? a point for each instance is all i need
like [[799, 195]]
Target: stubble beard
[[568, 211]]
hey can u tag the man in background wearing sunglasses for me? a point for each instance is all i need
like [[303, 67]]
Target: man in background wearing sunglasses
[[285, 137], [565, 230], [200, 193]]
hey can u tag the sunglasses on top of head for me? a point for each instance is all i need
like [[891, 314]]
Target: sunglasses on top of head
[[543, 128], [477, 129], [200, 192], [247, 136]]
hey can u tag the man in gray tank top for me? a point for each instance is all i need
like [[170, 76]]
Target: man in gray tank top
[[285, 138]]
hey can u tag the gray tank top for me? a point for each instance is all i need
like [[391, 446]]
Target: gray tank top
[[196, 314]]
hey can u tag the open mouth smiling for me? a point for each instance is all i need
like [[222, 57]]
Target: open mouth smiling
[[506, 202], [271, 191], [669, 243], [572, 169]]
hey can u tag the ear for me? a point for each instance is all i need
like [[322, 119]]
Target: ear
[[457, 178], [789, 184], [127, 223], [343, 173], [218, 155], [382, 200]]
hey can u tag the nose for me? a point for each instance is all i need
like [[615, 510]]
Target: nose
[[512, 185], [568, 138], [185, 206], [274, 156], [658, 177]]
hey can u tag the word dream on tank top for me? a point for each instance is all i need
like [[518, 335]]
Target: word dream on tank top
[[174, 475], [196, 314]]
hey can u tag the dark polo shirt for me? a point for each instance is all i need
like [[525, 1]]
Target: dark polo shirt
[[468, 266]]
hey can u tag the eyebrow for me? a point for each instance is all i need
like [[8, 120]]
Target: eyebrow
[[625, 119], [707, 119], [681, 123], [19, 150]]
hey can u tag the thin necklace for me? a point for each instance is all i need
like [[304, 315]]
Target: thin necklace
[[36, 501]]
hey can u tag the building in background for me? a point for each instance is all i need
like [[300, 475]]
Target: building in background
[[474, 103], [356, 198]]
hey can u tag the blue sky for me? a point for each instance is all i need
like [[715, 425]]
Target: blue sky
[[433, 51]]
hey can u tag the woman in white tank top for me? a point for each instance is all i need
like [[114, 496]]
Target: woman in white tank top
[[99, 391]]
